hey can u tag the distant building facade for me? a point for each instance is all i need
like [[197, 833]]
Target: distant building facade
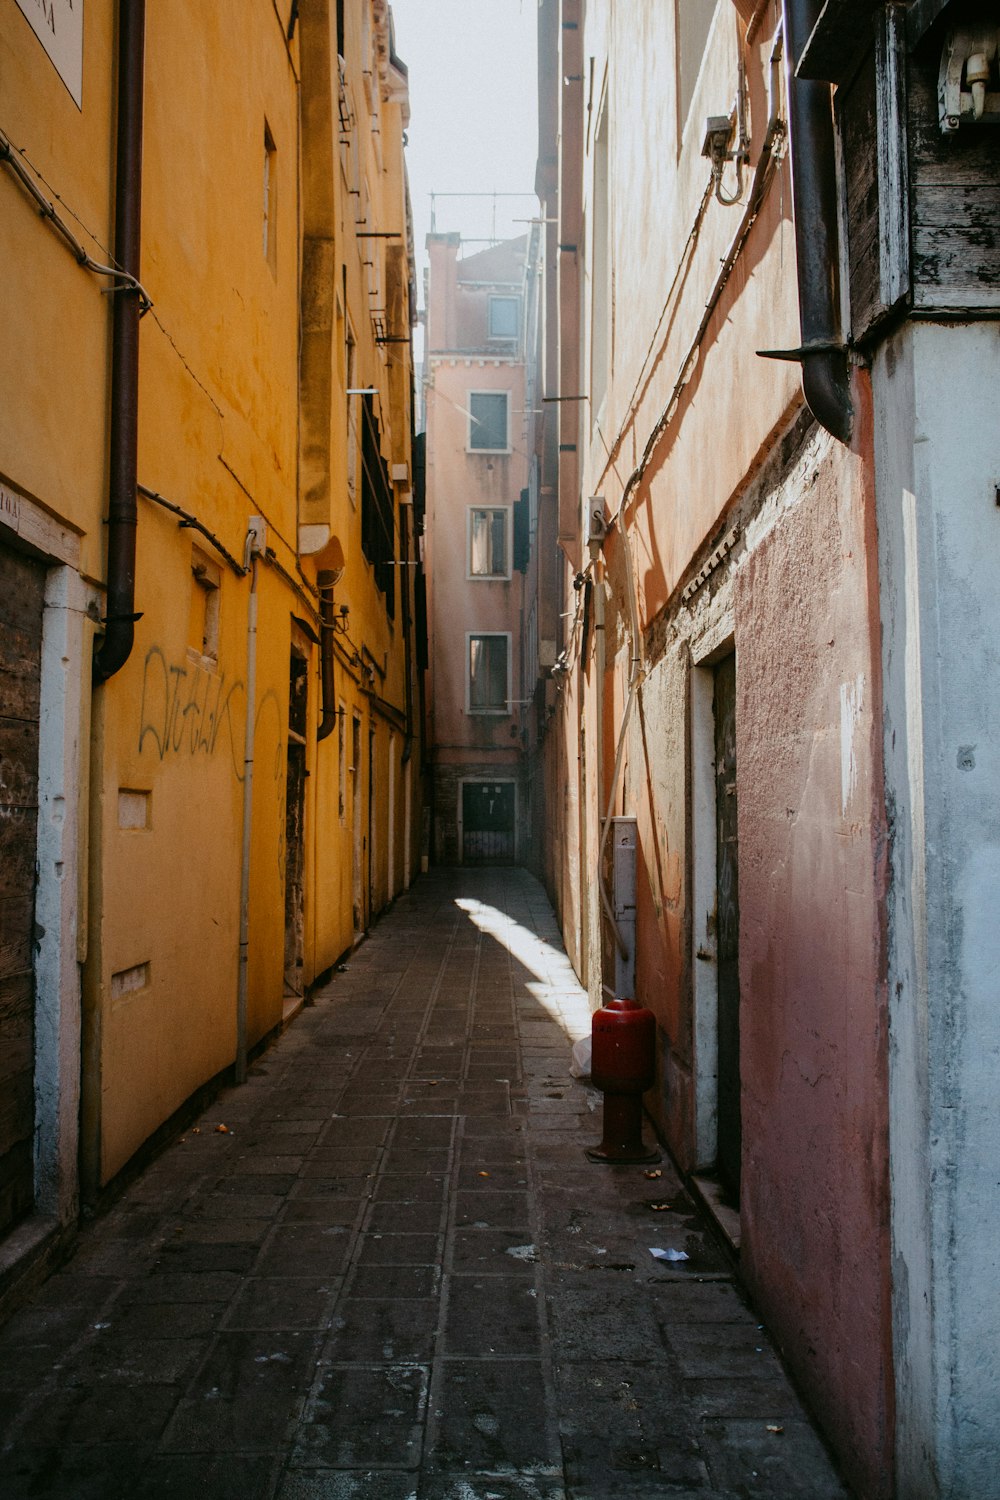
[[480, 391]]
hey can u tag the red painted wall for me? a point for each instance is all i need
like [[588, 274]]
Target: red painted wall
[[814, 1195]]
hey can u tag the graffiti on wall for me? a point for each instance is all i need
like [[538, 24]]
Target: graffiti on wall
[[188, 711], [185, 710]]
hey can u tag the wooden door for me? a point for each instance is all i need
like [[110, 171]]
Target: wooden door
[[728, 928], [22, 586]]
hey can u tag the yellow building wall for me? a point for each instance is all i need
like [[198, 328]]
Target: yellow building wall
[[54, 324], [220, 402]]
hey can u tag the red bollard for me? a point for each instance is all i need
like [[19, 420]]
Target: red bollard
[[623, 1066]]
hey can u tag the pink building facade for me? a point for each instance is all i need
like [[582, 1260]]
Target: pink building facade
[[480, 552]]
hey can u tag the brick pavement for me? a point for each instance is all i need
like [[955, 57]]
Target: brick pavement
[[395, 1277]]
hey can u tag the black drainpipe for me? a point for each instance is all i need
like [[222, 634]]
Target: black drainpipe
[[404, 547], [325, 582], [113, 650], [825, 372]]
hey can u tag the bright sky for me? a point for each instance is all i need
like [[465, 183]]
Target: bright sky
[[473, 113]]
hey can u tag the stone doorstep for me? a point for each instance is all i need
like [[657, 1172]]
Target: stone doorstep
[[708, 1192], [28, 1255]]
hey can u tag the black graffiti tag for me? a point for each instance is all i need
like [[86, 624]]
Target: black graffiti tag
[[184, 710]]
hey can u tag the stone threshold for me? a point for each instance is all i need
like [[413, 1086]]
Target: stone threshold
[[709, 1192]]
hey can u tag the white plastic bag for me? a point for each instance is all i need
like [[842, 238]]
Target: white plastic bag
[[580, 1065]]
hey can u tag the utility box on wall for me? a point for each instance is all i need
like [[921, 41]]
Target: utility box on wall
[[623, 882]]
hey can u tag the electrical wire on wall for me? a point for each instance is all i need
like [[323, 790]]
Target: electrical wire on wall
[[763, 175]]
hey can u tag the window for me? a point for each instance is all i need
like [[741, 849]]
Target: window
[[489, 674], [504, 317], [488, 422], [203, 611], [352, 426], [270, 201], [488, 542], [342, 760], [522, 531], [378, 540]]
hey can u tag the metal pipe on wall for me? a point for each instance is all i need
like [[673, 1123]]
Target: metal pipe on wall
[[825, 372], [115, 648], [242, 983], [326, 580]]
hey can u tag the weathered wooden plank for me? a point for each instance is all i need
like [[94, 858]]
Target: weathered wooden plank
[[16, 923], [22, 584], [17, 1111], [22, 590], [17, 1075], [969, 156], [856, 117], [970, 206], [891, 155], [956, 268], [16, 1186], [16, 1004], [18, 833], [18, 760]]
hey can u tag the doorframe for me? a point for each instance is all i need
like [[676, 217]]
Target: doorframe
[[478, 781], [66, 1124], [357, 861], [705, 656]]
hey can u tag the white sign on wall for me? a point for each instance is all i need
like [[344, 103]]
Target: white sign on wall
[[58, 25]]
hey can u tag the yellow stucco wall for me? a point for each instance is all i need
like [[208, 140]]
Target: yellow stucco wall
[[220, 406]]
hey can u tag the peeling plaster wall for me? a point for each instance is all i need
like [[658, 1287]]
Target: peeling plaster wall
[[939, 541], [814, 1199]]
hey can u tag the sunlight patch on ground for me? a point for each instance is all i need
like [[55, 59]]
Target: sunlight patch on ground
[[554, 986]]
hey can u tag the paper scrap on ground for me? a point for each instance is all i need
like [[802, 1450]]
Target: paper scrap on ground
[[668, 1254]]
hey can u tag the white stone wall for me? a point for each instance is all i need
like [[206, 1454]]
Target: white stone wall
[[937, 411]]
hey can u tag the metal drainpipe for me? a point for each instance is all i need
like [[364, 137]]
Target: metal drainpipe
[[243, 977], [825, 373], [404, 539], [326, 581], [114, 649]]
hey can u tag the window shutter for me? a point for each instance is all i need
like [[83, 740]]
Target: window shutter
[[522, 533]]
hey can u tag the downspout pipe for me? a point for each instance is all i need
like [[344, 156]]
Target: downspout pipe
[[326, 581], [404, 547], [115, 647], [825, 371], [243, 974]]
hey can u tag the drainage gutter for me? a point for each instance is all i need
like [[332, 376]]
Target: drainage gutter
[[823, 353], [115, 648]]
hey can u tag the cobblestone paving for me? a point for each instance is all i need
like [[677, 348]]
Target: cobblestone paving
[[395, 1276]]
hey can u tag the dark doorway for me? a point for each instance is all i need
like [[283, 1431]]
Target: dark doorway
[[295, 807], [357, 841], [488, 835], [22, 586], [728, 919]]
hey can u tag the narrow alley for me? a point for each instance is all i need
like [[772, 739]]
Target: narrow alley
[[383, 1269]]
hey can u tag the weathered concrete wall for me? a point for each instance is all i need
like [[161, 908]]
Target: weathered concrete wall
[[749, 534], [939, 543], [814, 1191]]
